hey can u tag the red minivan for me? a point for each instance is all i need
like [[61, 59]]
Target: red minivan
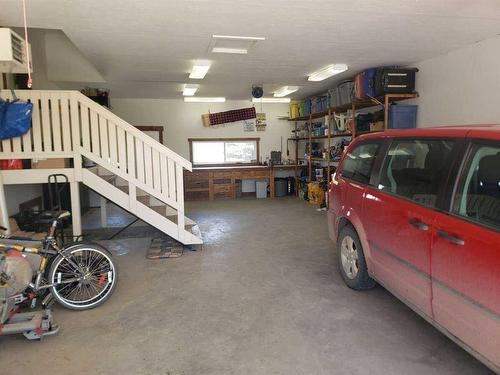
[[418, 211]]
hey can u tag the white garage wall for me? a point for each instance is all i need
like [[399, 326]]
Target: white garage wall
[[461, 87], [183, 120]]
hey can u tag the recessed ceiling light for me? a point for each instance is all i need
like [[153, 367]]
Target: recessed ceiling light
[[200, 69], [239, 51], [235, 44], [199, 99], [271, 100], [327, 72], [285, 90], [235, 37], [190, 89]]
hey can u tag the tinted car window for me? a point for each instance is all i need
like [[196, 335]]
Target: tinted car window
[[358, 163], [415, 169], [478, 195]]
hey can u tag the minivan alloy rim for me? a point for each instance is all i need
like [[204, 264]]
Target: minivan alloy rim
[[349, 257]]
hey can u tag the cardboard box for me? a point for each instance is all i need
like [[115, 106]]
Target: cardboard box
[[56, 163], [377, 126]]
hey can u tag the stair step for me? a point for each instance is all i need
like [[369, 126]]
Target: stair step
[[144, 199], [120, 182], [108, 178], [103, 173], [160, 209], [123, 188], [141, 193], [188, 221], [148, 200]]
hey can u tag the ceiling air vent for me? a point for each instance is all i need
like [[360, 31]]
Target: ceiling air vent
[[13, 52]]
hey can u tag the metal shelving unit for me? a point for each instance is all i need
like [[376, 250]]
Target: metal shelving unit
[[385, 101]]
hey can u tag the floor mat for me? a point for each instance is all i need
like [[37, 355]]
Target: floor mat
[[162, 248]]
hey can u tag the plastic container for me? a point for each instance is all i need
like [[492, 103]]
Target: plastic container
[[294, 110], [261, 189], [403, 116], [346, 92], [307, 107], [11, 164], [238, 186], [281, 187]]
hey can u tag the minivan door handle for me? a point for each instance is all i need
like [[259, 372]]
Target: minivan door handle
[[418, 224], [449, 237]]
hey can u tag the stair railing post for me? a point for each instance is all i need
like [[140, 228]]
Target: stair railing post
[[75, 208], [132, 196], [75, 131], [4, 215], [179, 181]]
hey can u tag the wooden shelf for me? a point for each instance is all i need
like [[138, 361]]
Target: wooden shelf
[[360, 104], [316, 159], [324, 160], [321, 137], [383, 101], [312, 116]]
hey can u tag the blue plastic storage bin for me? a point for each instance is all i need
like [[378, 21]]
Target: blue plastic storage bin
[[403, 116], [307, 107]]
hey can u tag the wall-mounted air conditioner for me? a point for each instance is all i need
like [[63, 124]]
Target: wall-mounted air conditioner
[[13, 52]]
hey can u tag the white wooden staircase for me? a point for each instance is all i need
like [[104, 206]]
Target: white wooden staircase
[[132, 170]]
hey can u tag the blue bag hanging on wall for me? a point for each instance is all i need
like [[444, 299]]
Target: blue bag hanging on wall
[[15, 118]]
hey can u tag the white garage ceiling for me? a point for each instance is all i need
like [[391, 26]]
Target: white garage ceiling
[[146, 48]]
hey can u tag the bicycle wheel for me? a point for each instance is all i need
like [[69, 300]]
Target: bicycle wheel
[[88, 285]]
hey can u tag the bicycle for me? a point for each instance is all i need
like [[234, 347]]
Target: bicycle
[[79, 276]]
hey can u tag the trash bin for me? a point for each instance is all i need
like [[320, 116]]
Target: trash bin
[[238, 188], [280, 187], [261, 189]]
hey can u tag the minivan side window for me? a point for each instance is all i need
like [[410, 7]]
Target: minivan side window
[[358, 164], [416, 169], [478, 194]]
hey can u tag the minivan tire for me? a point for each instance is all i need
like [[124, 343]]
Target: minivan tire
[[351, 260]]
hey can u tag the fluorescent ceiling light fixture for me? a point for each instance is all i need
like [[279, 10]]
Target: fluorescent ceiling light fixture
[[200, 69], [190, 89], [199, 99], [327, 72], [271, 100], [238, 51], [235, 37], [285, 90]]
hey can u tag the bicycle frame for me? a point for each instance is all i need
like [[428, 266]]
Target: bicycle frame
[[48, 250]]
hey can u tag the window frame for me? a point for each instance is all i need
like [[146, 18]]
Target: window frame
[[444, 198], [374, 174], [242, 139], [472, 146]]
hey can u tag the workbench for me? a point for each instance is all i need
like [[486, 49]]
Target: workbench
[[210, 183]]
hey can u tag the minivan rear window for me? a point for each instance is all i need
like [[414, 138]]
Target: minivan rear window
[[358, 164], [416, 169]]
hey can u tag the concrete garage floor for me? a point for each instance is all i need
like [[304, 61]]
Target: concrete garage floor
[[263, 297]]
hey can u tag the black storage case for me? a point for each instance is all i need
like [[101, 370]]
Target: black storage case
[[395, 80]]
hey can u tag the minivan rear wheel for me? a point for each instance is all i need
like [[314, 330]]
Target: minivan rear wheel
[[351, 259]]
